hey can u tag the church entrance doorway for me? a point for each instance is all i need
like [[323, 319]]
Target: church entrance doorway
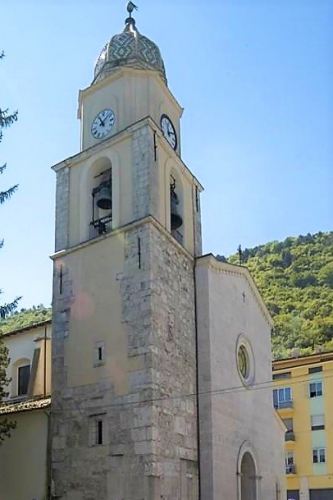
[[248, 478]]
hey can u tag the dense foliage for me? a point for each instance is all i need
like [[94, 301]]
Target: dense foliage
[[6, 120], [295, 278], [25, 317]]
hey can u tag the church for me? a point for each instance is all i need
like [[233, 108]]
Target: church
[[161, 356]]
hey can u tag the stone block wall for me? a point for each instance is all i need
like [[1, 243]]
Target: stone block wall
[[62, 209], [144, 174]]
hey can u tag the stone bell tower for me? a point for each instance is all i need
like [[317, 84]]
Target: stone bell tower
[[124, 420]]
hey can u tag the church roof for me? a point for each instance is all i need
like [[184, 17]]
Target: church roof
[[129, 49], [25, 405]]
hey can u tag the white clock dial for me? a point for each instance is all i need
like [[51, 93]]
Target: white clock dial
[[103, 123], [169, 131]]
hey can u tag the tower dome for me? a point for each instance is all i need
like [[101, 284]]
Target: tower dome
[[129, 49]]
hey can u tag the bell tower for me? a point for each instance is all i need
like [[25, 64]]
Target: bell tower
[[128, 230]]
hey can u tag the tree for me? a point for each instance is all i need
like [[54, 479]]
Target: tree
[[6, 119]]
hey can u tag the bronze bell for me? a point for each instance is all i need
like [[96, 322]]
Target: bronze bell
[[104, 198], [176, 220]]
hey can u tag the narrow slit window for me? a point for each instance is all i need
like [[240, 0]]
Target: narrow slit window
[[99, 358], [99, 432]]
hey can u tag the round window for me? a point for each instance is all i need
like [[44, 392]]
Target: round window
[[245, 360]]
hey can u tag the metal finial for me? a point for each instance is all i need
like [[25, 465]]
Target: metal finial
[[130, 7]]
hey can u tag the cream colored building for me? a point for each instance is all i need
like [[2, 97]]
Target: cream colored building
[[24, 458], [161, 361]]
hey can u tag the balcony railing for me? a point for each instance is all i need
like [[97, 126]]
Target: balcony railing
[[291, 469], [283, 404], [289, 436]]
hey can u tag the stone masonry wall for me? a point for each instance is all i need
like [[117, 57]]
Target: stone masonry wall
[[144, 174], [158, 305], [62, 209], [149, 449]]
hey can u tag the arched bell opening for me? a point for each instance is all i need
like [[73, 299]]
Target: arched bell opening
[[101, 199], [176, 208], [248, 478]]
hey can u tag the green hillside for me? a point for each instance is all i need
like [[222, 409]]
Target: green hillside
[[25, 317], [295, 278]]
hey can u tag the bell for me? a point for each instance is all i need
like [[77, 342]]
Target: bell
[[104, 199], [176, 220]]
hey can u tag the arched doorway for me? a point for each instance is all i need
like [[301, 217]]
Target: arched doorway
[[248, 478]]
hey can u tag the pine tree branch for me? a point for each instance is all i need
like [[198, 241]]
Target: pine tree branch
[[5, 195], [7, 119], [7, 309]]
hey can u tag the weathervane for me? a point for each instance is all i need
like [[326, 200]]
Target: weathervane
[[130, 7]]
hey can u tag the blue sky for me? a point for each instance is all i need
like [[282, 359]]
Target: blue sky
[[254, 77]]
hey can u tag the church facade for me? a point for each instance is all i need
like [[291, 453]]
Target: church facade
[[161, 357]]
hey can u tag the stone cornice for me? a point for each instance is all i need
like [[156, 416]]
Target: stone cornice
[[222, 267], [310, 359], [123, 229]]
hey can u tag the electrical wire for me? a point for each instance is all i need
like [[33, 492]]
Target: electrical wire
[[269, 384]]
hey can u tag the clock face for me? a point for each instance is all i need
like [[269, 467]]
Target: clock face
[[103, 123], [169, 131]]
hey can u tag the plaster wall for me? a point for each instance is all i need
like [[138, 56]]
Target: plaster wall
[[21, 352], [233, 415], [133, 95], [308, 476], [23, 458], [96, 316]]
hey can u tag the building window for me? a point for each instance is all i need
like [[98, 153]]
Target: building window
[[316, 369], [23, 379], [99, 353], [282, 397], [317, 422], [283, 375], [289, 460], [288, 422], [319, 455], [97, 430], [316, 389], [289, 436]]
